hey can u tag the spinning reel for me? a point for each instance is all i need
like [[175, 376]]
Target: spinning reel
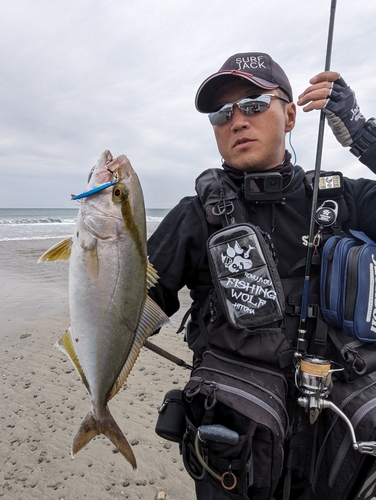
[[313, 377]]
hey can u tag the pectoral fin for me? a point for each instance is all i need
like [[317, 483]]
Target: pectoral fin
[[60, 251]]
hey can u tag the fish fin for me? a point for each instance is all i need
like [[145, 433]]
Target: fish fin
[[60, 251], [92, 426], [66, 345], [151, 275], [152, 317]]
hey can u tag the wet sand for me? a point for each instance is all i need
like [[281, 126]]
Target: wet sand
[[43, 400]]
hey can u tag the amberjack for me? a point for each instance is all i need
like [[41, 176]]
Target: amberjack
[[110, 311]]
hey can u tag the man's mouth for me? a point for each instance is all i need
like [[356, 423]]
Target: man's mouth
[[241, 141]]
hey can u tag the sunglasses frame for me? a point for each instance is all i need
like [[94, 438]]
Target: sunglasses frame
[[248, 105]]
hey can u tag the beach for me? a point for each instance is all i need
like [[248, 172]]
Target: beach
[[43, 400]]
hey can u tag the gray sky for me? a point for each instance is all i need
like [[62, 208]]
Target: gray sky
[[79, 77]]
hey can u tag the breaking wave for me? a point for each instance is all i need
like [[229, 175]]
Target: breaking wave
[[40, 224]]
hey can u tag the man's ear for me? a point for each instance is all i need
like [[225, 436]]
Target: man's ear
[[290, 116]]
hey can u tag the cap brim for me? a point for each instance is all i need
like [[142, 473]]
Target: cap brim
[[210, 86]]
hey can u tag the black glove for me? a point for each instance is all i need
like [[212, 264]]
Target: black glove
[[343, 113]]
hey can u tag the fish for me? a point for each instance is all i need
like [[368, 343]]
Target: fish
[[111, 314]]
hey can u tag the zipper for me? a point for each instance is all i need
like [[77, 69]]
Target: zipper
[[166, 402], [247, 396], [249, 367], [253, 384]]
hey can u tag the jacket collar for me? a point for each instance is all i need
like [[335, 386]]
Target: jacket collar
[[286, 169]]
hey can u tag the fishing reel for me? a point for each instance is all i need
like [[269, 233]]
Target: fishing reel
[[313, 378]]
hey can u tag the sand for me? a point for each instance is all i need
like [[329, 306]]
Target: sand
[[43, 400]]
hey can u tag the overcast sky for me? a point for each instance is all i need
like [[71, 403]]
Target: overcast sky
[[81, 76]]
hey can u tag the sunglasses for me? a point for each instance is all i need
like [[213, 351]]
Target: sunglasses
[[248, 106]]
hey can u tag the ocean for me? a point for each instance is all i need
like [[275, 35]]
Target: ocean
[[42, 223]]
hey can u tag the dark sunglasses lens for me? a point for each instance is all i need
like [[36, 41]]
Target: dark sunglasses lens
[[221, 116], [252, 105], [248, 106]]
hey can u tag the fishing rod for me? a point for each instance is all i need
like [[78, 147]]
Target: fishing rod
[[311, 238], [166, 355]]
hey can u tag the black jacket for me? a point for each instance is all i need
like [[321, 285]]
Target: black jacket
[[177, 249]]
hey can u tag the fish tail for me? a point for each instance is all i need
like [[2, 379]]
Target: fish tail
[[92, 426]]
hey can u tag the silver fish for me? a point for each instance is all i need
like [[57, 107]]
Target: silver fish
[[111, 314]]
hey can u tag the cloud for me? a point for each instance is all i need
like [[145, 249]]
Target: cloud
[[81, 77]]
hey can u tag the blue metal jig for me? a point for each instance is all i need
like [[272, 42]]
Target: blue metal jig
[[94, 190]]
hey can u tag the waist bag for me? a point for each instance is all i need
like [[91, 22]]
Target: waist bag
[[348, 285], [236, 426]]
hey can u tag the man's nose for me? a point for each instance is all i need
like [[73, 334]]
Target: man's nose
[[238, 120]]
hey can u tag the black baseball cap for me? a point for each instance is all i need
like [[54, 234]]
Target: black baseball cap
[[256, 67]]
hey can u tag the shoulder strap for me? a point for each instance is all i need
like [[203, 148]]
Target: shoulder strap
[[219, 196]]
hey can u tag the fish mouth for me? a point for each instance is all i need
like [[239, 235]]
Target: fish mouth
[[102, 173], [100, 176]]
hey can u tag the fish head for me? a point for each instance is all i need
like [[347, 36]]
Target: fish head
[[117, 208]]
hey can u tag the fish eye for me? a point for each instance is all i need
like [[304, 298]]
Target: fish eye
[[119, 193]]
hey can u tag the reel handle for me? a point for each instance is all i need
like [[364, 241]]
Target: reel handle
[[316, 405], [366, 447]]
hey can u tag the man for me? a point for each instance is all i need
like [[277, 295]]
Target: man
[[250, 106]]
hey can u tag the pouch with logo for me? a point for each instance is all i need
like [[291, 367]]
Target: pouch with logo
[[245, 276]]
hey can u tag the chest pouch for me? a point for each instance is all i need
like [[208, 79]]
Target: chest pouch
[[245, 277]]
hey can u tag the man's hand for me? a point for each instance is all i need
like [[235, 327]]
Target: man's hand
[[329, 92], [317, 95]]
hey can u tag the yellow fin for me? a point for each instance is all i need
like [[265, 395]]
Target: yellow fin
[[151, 276], [152, 318], [60, 251], [93, 425], [65, 344]]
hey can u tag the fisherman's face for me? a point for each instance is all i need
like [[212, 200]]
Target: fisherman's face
[[253, 142]]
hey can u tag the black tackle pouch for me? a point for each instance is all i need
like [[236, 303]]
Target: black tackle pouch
[[171, 419], [236, 426], [245, 277]]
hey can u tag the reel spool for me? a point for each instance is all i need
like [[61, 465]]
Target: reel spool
[[313, 377]]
